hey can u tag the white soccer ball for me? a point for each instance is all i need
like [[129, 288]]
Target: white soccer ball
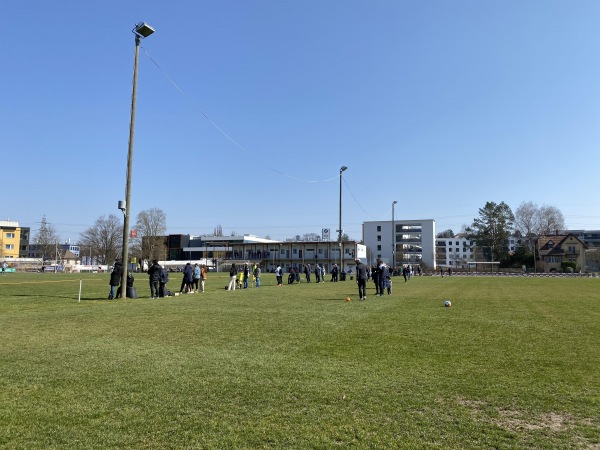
[[447, 303]]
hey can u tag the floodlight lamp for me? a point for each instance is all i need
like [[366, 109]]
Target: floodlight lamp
[[343, 168], [394, 202], [143, 30]]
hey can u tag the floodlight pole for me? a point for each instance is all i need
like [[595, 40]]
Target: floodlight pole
[[140, 31], [341, 244]]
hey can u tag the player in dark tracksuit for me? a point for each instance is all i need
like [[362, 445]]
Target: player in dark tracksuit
[[375, 274], [361, 279]]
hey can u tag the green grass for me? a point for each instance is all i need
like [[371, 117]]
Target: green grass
[[513, 364]]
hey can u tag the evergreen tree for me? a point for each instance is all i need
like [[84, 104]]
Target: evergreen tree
[[492, 229]]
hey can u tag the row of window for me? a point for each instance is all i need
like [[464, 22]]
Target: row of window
[[320, 251]]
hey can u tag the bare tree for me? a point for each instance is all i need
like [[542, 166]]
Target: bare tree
[[104, 239], [218, 231], [532, 221], [46, 240], [550, 220], [526, 222], [151, 227]]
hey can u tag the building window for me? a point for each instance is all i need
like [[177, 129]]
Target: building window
[[378, 256], [378, 238], [379, 248], [9, 247], [295, 251], [10, 235], [450, 250], [378, 227]]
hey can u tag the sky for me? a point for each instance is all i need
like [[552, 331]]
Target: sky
[[246, 111]]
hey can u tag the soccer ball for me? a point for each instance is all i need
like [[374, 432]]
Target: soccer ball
[[447, 303], [347, 299]]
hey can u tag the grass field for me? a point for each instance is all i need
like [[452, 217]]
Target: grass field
[[514, 363]]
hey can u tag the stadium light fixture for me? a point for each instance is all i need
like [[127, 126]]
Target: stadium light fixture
[[342, 169], [141, 30]]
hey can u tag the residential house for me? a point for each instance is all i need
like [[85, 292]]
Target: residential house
[[554, 250]]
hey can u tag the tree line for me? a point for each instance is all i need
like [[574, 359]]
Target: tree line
[[496, 223], [103, 241]]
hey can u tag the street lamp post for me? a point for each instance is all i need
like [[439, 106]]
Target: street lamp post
[[141, 30], [342, 169], [393, 239]]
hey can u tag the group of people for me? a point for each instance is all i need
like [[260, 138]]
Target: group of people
[[240, 280], [115, 282], [193, 278], [158, 277]]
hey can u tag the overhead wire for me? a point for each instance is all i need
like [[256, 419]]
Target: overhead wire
[[241, 147], [221, 130]]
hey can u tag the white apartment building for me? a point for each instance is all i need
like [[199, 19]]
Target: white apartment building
[[455, 252], [403, 242]]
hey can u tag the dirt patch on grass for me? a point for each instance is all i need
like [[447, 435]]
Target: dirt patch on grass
[[514, 421], [520, 422]]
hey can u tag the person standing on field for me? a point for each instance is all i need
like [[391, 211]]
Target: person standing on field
[[188, 278], [162, 283], [246, 275], [375, 275], [361, 279], [279, 275], [232, 274], [154, 279], [257, 275], [196, 278], [203, 271], [115, 278]]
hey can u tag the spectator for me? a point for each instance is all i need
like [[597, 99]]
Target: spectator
[[361, 279], [115, 278], [186, 282], [257, 275], [154, 279], [246, 275], [203, 272], [195, 278], [162, 285], [279, 275], [232, 274]]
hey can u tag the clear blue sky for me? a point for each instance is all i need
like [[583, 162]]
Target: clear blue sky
[[440, 105]]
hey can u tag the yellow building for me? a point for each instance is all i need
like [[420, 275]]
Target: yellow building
[[10, 239], [555, 250]]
